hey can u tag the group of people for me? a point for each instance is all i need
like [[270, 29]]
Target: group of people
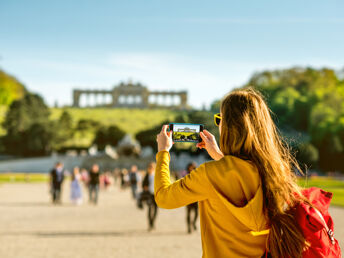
[[142, 191], [91, 179], [141, 184]]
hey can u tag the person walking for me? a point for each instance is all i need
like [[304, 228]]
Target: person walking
[[93, 184], [147, 195], [244, 195], [134, 178], [76, 192], [124, 178], [84, 176], [192, 207], [56, 180]]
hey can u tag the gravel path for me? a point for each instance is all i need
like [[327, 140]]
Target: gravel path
[[33, 228]]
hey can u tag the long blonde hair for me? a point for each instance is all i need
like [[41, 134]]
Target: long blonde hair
[[248, 132]]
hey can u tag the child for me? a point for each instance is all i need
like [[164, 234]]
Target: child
[[76, 193]]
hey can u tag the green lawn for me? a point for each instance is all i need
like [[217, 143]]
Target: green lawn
[[23, 177], [328, 184], [131, 121]]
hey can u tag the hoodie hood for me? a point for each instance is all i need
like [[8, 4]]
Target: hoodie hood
[[238, 186]]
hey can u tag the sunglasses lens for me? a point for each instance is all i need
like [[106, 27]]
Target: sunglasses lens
[[217, 121]]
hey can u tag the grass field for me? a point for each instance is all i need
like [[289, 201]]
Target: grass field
[[328, 184], [131, 121], [183, 136], [23, 177]]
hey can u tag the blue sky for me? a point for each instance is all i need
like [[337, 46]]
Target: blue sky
[[205, 47]]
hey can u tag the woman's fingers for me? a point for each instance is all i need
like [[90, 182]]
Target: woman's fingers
[[164, 129], [207, 133], [169, 134], [203, 136], [200, 145]]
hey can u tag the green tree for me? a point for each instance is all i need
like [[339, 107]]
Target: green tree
[[28, 127], [63, 130], [38, 140], [100, 138], [108, 136], [85, 125], [10, 89], [308, 154], [215, 106], [331, 153], [148, 137], [114, 135], [25, 112], [310, 101]]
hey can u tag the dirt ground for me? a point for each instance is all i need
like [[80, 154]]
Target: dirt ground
[[33, 228]]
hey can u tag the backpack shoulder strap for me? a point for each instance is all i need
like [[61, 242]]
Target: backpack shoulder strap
[[328, 230]]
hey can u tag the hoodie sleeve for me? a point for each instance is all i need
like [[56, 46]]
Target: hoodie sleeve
[[191, 188]]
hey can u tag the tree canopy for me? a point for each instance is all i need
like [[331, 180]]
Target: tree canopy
[[29, 131], [10, 89], [310, 101], [108, 136]]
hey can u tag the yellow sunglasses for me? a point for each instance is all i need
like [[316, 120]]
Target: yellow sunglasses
[[217, 119]]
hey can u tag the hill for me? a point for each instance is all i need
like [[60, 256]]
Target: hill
[[10, 89], [129, 120]]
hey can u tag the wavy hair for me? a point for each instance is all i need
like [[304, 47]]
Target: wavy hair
[[248, 132]]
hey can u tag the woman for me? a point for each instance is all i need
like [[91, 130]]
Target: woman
[[76, 193], [244, 193]]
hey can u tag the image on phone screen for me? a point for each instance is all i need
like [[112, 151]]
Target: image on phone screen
[[186, 132]]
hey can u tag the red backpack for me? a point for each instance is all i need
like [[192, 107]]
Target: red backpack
[[316, 224]]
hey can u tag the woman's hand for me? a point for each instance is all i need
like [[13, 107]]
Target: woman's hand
[[164, 139], [209, 143]]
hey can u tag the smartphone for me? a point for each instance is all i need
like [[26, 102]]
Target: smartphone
[[186, 132]]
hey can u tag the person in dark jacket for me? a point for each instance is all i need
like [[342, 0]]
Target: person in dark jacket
[[147, 195], [56, 180], [93, 184], [193, 207], [134, 179]]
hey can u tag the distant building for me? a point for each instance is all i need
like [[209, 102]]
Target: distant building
[[131, 95], [186, 130]]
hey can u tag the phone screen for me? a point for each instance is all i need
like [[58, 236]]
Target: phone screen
[[186, 132]]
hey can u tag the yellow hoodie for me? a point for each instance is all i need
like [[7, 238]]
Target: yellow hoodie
[[230, 203]]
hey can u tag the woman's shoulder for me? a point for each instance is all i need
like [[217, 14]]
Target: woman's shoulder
[[233, 174], [231, 167], [231, 162]]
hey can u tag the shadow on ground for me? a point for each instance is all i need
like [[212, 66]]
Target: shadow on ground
[[134, 233]]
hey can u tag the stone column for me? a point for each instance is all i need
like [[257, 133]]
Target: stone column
[[87, 99], [76, 98], [183, 100], [95, 97], [144, 99], [104, 99], [114, 99]]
